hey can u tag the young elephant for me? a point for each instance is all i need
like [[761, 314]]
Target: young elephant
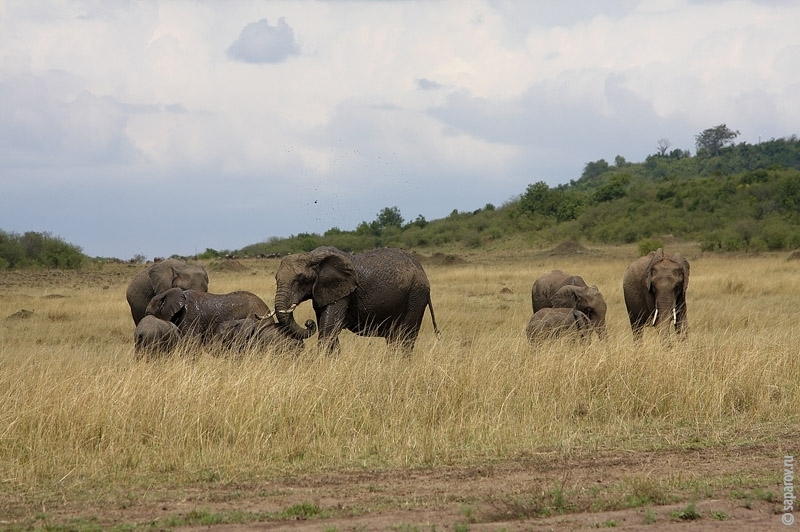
[[160, 277], [654, 287], [563, 290], [154, 337], [254, 333], [198, 313], [552, 322]]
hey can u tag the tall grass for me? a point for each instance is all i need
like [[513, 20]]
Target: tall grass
[[76, 408]]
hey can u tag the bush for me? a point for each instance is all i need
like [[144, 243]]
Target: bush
[[649, 244]]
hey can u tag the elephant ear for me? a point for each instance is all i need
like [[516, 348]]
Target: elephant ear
[[173, 302], [648, 271], [566, 297], [162, 278], [336, 278], [677, 257]]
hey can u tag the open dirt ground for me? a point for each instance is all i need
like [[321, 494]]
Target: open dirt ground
[[498, 496]]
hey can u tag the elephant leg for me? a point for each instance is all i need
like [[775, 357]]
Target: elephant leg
[[330, 321]]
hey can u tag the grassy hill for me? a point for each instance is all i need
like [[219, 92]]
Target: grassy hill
[[740, 197], [746, 198]]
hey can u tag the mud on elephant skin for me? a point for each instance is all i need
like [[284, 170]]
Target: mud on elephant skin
[[154, 337], [382, 292], [254, 333], [197, 313], [552, 322], [160, 277], [558, 289], [654, 287]]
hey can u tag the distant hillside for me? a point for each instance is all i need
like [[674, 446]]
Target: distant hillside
[[740, 197], [744, 198]]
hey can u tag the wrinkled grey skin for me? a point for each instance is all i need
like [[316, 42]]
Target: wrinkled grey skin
[[160, 277], [563, 290], [154, 337], [551, 322], [258, 334], [198, 313], [382, 292], [657, 282]]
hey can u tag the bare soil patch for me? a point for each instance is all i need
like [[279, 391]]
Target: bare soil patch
[[702, 489]]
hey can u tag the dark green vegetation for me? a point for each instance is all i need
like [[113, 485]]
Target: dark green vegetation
[[746, 198], [38, 250]]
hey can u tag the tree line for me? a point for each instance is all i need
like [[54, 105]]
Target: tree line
[[727, 197]]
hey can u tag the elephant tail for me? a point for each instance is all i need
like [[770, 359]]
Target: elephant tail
[[433, 320]]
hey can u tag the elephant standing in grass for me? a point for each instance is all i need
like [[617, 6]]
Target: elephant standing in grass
[[154, 337], [254, 333], [382, 292], [160, 277], [552, 322], [654, 287], [562, 290], [199, 313]]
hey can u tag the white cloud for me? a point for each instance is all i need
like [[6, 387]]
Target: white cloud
[[287, 117]]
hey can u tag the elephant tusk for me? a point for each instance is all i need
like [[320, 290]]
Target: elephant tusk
[[655, 317], [288, 310], [259, 317], [674, 316]]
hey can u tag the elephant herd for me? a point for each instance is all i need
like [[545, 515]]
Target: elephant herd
[[654, 288], [382, 292]]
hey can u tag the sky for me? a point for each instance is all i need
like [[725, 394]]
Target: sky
[[168, 127]]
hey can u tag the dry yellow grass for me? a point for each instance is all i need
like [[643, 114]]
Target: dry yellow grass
[[77, 410]]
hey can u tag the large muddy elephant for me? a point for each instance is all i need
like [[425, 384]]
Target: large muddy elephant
[[654, 287], [557, 289], [160, 277], [199, 313], [382, 292]]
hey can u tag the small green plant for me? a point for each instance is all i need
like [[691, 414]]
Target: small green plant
[[304, 510], [608, 523], [689, 513], [718, 515], [650, 516]]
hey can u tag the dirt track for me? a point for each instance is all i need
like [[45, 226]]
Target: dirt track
[[515, 495]]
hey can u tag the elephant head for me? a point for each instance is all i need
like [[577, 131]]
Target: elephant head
[[169, 305], [587, 299], [666, 279], [324, 275], [654, 287], [154, 336], [160, 277]]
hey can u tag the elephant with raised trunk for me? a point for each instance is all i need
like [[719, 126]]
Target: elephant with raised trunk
[[382, 292], [160, 277], [199, 313], [551, 322], [154, 337], [654, 287], [558, 289]]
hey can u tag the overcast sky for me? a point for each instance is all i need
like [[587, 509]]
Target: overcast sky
[[161, 127]]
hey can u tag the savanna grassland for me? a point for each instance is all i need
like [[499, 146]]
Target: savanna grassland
[[477, 430]]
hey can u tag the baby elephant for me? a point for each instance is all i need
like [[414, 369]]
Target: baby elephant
[[198, 313], [257, 333], [154, 337], [551, 322]]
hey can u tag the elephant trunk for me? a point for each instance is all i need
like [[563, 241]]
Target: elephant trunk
[[285, 315], [665, 310]]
